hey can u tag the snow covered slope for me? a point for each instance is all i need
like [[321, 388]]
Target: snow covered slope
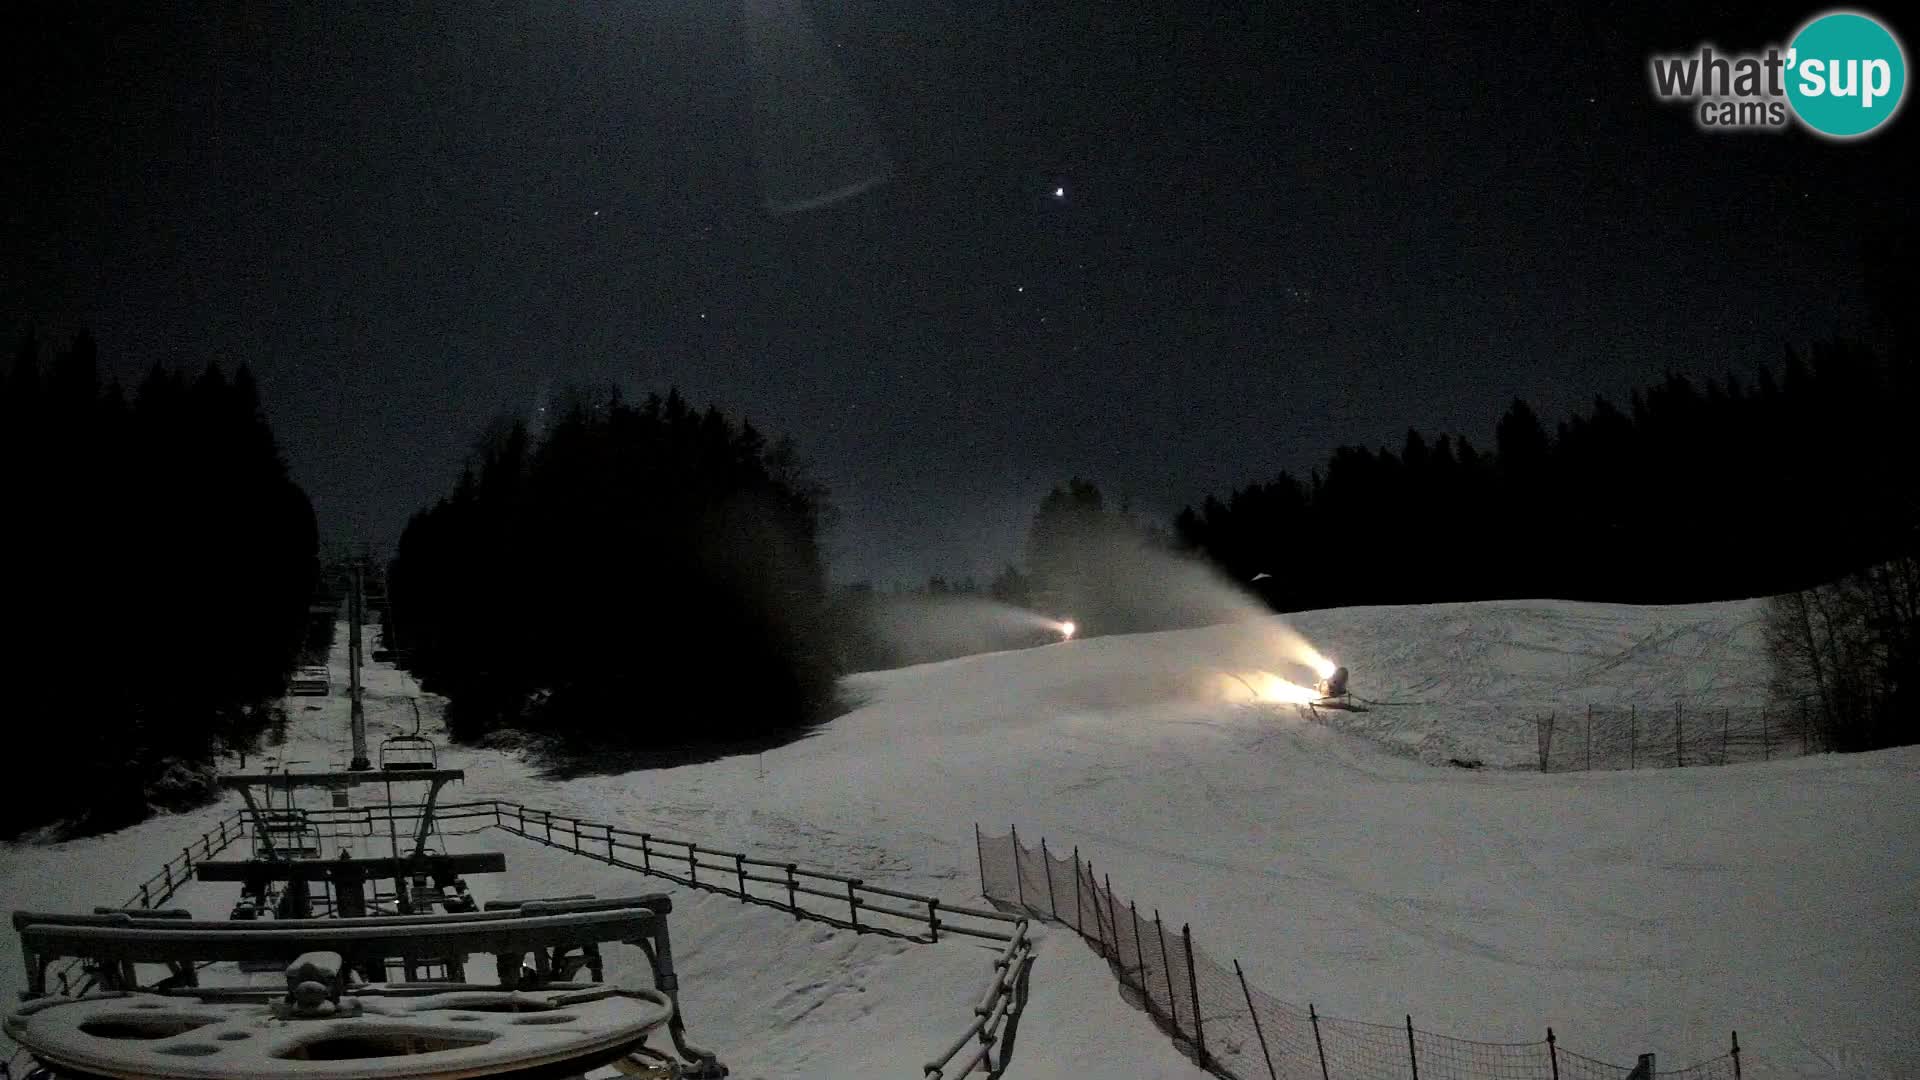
[[1632, 911]]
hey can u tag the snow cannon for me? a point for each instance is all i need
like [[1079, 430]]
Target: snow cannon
[[1335, 685]]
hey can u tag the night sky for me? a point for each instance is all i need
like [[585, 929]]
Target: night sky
[[1276, 231]]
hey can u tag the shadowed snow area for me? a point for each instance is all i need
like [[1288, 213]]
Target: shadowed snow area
[[1633, 912]]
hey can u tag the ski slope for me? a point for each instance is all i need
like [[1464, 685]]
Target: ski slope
[[1631, 911]]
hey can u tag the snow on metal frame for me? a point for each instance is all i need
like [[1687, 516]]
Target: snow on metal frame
[[996, 1013]]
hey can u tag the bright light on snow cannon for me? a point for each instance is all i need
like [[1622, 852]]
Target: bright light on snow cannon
[[1067, 629], [1335, 684]]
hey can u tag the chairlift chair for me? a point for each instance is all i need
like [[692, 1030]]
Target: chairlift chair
[[409, 752]]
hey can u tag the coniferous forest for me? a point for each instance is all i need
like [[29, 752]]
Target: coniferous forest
[[1687, 492], [162, 568], [637, 576]]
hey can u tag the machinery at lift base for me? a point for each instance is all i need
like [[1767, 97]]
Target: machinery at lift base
[[540, 1020]]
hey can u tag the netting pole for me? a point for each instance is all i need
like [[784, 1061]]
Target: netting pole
[[1255, 1013], [1046, 864], [1736, 1056], [980, 857], [1411, 1055], [1160, 929], [1314, 1019], [1193, 987], [1019, 891], [1113, 924], [1079, 916], [1099, 932], [1134, 909]]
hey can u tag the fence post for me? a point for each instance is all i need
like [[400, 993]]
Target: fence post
[[1099, 934], [610, 854], [933, 919], [1726, 722], [1544, 729], [853, 904], [1161, 930], [523, 817], [1633, 736], [1553, 1055], [740, 870], [1046, 864], [1314, 1018], [693, 862], [1679, 746], [145, 902], [186, 854], [1019, 891], [1736, 1056], [1193, 988], [1255, 1013], [1589, 738], [1137, 955], [1113, 924], [646, 853], [793, 893], [1079, 915], [1411, 1054], [1766, 746], [980, 857], [1643, 1070], [548, 816]]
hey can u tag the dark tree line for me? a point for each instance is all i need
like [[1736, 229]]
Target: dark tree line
[[162, 563], [638, 576], [1689, 492]]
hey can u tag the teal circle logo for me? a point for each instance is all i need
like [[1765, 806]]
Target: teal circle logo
[[1845, 74]]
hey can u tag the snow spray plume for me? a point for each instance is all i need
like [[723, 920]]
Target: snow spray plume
[[1121, 582], [920, 628]]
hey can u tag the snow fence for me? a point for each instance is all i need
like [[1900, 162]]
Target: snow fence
[[1232, 1029], [1613, 737]]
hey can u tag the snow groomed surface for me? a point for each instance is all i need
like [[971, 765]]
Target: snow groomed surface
[[1631, 911]]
